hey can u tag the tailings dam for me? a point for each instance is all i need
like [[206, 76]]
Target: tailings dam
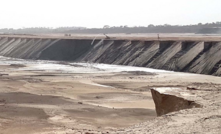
[[51, 84], [197, 55]]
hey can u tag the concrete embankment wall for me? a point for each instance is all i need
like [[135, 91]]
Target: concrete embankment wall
[[186, 56]]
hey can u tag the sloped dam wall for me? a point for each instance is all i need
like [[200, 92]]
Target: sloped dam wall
[[186, 56]]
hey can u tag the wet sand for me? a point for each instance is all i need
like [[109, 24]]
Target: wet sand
[[34, 100], [38, 100]]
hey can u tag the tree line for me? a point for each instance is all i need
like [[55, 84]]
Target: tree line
[[214, 27], [166, 28]]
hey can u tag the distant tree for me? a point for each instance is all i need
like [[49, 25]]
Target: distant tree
[[166, 28], [125, 26], [150, 26], [106, 26], [166, 25]]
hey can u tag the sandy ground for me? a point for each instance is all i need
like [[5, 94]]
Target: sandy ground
[[47, 97], [40, 97]]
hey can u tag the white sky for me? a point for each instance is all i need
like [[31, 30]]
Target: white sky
[[97, 13]]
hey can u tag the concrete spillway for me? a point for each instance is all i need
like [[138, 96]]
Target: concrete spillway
[[203, 57]]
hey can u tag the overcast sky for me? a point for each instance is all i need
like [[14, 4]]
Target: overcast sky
[[97, 13]]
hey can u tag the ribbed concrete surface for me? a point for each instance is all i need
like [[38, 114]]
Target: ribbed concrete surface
[[189, 56]]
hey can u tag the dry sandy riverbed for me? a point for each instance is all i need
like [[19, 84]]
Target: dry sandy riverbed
[[59, 97]]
